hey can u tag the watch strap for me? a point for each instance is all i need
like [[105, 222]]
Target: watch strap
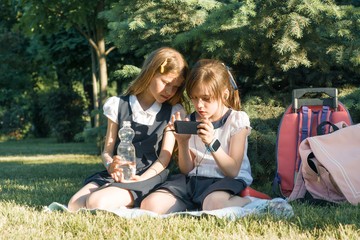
[[213, 146]]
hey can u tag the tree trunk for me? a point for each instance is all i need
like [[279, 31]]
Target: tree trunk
[[101, 54], [102, 70], [95, 87]]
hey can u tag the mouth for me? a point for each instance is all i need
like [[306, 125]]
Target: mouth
[[202, 113], [165, 97]]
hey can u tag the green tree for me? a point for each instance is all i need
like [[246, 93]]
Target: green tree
[[272, 46], [270, 43], [65, 55], [143, 26], [295, 42], [63, 109], [49, 17], [15, 81]]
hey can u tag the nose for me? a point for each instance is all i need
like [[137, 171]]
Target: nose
[[199, 103]]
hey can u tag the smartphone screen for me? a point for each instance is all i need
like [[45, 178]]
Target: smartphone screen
[[186, 127]]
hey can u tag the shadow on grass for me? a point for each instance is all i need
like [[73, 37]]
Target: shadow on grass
[[45, 146], [38, 185]]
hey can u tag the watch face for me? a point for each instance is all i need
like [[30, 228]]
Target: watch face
[[215, 145]]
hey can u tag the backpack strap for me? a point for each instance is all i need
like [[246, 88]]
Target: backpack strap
[[324, 116], [148, 138], [305, 122], [320, 128]]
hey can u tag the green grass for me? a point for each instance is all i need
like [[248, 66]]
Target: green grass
[[40, 146], [35, 173]]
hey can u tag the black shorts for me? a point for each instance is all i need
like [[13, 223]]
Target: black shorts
[[139, 190], [193, 190]]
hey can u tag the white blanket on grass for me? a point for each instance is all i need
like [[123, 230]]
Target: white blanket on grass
[[277, 207]]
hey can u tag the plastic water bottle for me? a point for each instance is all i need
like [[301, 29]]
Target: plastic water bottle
[[126, 150]]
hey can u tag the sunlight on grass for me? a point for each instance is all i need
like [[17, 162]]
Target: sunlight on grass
[[55, 158], [45, 146], [29, 182]]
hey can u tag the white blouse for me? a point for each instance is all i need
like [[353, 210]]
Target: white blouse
[[147, 117], [207, 166]]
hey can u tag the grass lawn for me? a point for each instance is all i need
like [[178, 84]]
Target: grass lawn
[[35, 173]]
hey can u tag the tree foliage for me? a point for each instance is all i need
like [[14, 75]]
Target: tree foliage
[[145, 25], [297, 42], [48, 48], [16, 80], [50, 17], [63, 111]]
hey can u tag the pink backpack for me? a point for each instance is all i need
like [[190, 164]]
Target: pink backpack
[[310, 107], [330, 166]]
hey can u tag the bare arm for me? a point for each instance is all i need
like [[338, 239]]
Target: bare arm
[[229, 164], [110, 140], [186, 158], [110, 161], [164, 157]]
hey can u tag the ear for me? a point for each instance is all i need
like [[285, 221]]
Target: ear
[[226, 94]]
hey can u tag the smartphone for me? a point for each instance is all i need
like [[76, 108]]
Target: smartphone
[[186, 127]]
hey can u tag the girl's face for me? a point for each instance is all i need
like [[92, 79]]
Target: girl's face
[[164, 86], [205, 104]]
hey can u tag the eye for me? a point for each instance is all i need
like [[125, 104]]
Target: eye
[[192, 98]]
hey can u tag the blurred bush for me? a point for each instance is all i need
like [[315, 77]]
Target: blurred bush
[[63, 110]]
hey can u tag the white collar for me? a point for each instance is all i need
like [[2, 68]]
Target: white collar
[[139, 115]]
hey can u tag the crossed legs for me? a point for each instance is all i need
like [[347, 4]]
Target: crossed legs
[[106, 198], [162, 202]]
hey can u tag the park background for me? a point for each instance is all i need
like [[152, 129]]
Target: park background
[[60, 60]]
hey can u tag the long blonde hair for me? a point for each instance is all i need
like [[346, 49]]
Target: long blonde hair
[[216, 77], [163, 60]]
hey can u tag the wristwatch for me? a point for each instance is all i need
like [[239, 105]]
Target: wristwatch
[[107, 164], [213, 146]]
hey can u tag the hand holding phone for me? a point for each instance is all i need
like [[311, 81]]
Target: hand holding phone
[[186, 127]]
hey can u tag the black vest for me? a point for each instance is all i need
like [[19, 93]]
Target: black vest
[[148, 139]]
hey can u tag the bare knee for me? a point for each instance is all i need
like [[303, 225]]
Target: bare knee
[[109, 198], [162, 202], [220, 199], [153, 203], [75, 204], [214, 201], [78, 200], [149, 203], [95, 202]]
